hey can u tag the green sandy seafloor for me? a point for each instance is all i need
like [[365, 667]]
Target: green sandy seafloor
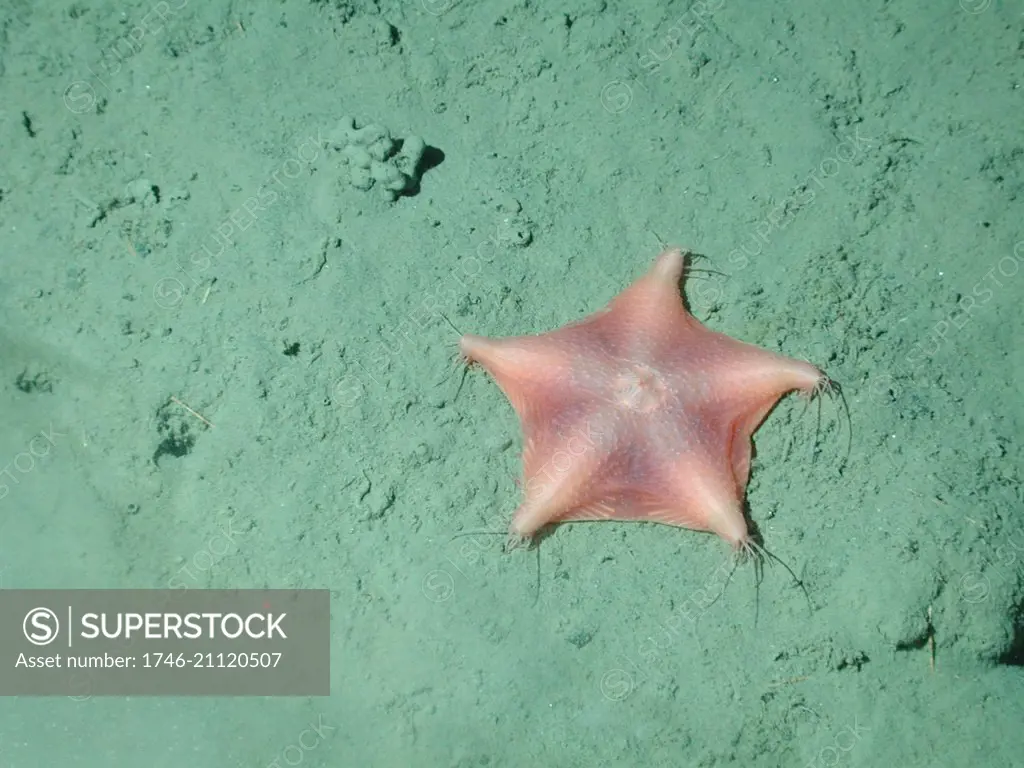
[[853, 171]]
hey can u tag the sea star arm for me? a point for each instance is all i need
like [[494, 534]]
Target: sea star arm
[[561, 473], [650, 308], [749, 381], [521, 365], [750, 372]]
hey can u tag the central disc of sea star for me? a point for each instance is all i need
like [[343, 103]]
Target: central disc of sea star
[[639, 412], [640, 388]]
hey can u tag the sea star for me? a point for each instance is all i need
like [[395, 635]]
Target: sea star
[[639, 412]]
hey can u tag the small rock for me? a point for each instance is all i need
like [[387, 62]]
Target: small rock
[[375, 158]]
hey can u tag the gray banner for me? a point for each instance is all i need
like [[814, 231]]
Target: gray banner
[[165, 642]]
